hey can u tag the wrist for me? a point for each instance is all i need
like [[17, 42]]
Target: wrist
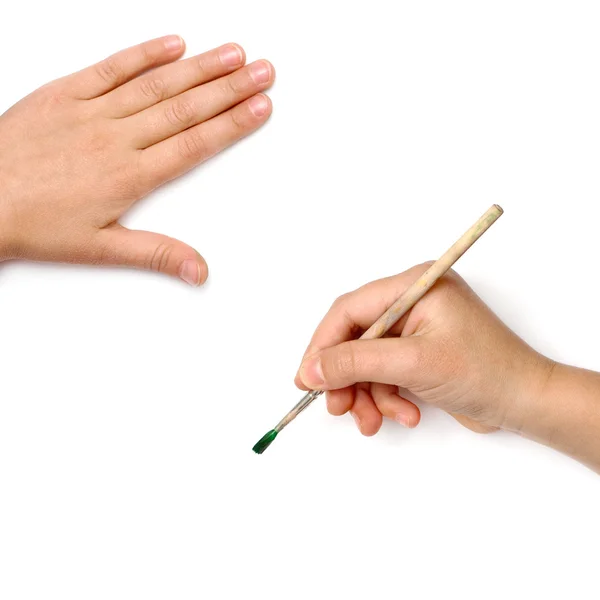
[[565, 413], [524, 396]]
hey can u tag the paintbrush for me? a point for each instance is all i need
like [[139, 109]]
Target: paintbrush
[[395, 312]]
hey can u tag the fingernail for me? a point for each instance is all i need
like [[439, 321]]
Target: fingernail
[[190, 272], [258, 105], [356, 419], [230, 55], [312, 372], [173, 42], [260, 72], [402, 419]]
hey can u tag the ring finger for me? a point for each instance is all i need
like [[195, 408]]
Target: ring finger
[[393, 406], [199, 104]]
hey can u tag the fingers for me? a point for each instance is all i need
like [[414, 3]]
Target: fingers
[[366, 416], [123, 66], [395, 361], [339, 402], [357, 311], [173, 79], [387, 400], [178, 154], [199, 104], [151, 251], [393, 406]]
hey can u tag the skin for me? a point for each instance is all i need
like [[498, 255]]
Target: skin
[[78, 152], [450, 351]]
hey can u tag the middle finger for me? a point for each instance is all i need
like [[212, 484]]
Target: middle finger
[[199, 104]]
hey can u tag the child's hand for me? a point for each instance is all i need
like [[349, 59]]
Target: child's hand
[[78, 152], [450, 351]]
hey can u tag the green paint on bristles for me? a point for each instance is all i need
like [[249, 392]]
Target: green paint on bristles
[[264, 442]]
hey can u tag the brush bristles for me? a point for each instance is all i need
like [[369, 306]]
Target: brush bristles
[[264, 442]]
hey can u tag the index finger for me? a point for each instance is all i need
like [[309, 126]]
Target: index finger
[[355, 312]]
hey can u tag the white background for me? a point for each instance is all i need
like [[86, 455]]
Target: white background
[[129, 402]]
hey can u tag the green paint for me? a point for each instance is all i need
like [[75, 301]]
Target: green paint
[[264, 442]]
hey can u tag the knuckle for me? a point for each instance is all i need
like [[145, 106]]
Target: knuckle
[[343, 363], [160, 258], [192, 146], [451, 287], [147, 55], [201, 72], [237, 121], [50, 96], [235, 85], [109, 70], [180, 113], [371, 289], [456, 279], [340, 301], [154, 90]]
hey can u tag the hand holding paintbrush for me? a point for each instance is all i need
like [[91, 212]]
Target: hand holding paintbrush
[[452, 352], [397, 310]]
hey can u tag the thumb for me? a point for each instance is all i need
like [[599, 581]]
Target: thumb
[[153, 252], [396, 361]]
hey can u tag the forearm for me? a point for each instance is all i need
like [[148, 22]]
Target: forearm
[[566, 414]]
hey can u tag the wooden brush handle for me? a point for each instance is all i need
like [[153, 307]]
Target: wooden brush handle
[[407, 300], [422, 285]]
